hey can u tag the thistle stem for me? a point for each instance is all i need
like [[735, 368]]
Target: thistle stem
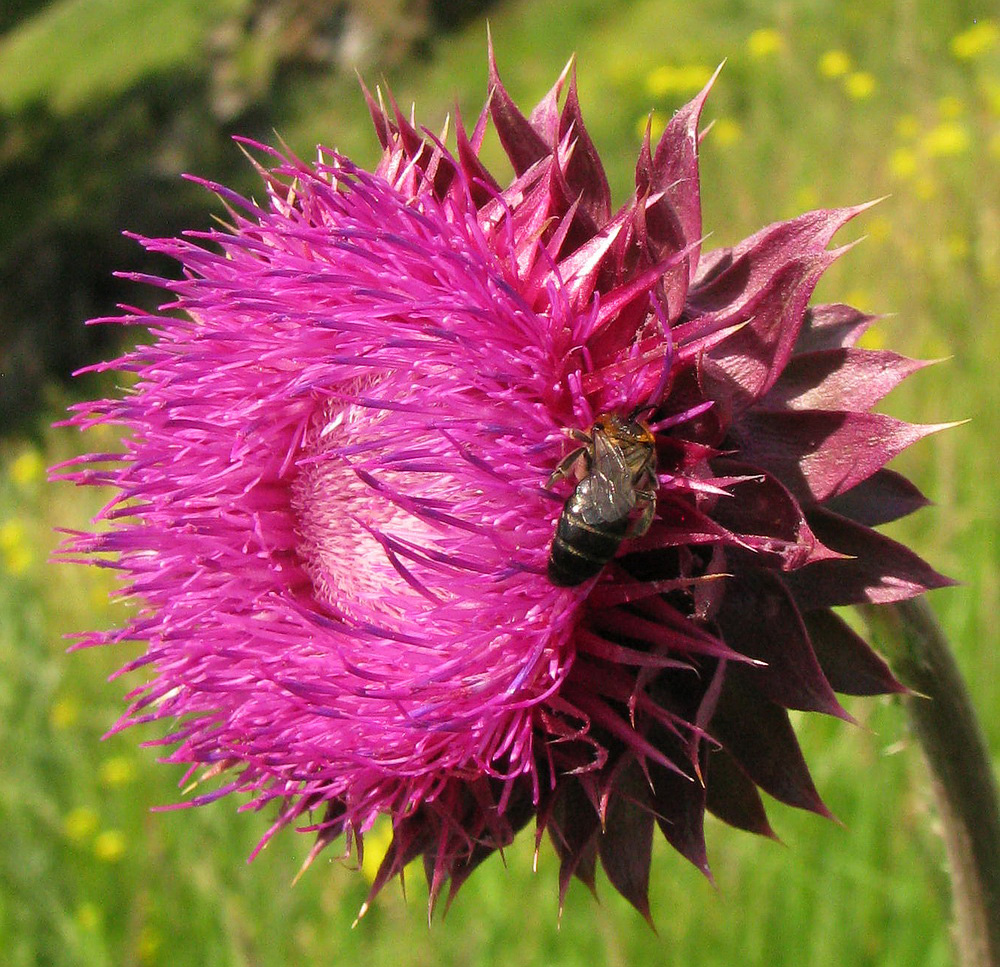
[[945, 724]]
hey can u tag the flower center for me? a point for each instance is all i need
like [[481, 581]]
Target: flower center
[[364, 499]]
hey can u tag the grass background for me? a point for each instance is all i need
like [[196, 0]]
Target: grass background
[[820, 104]]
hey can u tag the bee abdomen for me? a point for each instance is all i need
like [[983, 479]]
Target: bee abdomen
[[579, 550]]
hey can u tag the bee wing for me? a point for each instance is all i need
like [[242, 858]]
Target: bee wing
[[611, 491]]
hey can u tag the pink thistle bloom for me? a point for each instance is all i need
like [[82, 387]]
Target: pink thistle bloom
[[335, 507]]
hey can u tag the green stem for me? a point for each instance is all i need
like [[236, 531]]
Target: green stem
[[961, 770]]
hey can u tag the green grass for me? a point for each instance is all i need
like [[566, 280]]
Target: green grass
[[78, 51], [90, 876]]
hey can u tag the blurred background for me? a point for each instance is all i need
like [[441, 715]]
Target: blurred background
[[104, 103]]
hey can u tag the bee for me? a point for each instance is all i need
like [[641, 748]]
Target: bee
[[619, 456]]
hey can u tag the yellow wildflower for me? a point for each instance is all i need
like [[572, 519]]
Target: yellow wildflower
[[64, 713], [950, 107], [981, 37], [806, 197], [684, 79], [861, 299], [26, 468], [765, 42], [80, 823], [834, 63], [117, 771], [727, 131], [903, 163], [377, 842], [150, 942], [87, 916], [14, 547], [109, 847], [958, 246], [946, 140], [872, 338], [860, 85], [990, 88]]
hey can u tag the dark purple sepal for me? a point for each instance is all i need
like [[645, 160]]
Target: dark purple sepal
[[766, 517], [523, 145], [545, 115], [581, 268], [626, 842], [425, 154], [732, 796], [655, 624], [832, 326], [821, 453], [730, 278], [760, 620], [850, 665], [584, 172], [573, 829], [679, 524], [411, 837], [674, 169], [745, 366], [679, 807], [759, 736], [482, 185], [878, 570], [566, 203], [502, 830], [380, 121], [644, 162], [884, 497], [656, 234], [829, 378]]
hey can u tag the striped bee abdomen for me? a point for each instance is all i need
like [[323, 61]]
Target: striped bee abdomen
[[582, 545]]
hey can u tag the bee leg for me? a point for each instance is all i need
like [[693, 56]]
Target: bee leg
[[566, 464], [648, 500]]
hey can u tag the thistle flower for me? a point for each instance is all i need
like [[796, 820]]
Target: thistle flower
[[334, 504]]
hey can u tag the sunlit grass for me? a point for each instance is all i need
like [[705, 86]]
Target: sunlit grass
[[77, 51], [90, 876]]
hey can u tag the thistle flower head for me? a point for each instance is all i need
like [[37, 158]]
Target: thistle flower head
[[334, 500]]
